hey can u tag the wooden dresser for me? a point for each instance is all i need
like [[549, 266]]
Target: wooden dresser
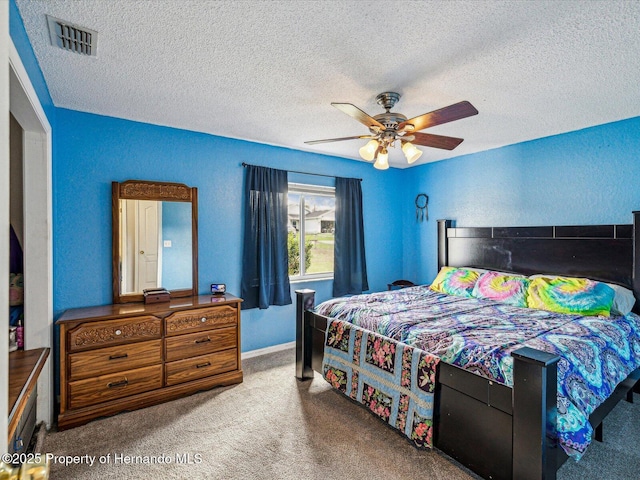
[[128, 356]]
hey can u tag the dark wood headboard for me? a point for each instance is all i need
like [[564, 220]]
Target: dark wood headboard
[[601, 252]]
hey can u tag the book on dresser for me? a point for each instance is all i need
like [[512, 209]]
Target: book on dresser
[[121, 357]]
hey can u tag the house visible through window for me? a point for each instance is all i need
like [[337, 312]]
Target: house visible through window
[[311, 228]]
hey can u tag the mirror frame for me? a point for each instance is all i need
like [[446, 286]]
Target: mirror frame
[[160, 191]]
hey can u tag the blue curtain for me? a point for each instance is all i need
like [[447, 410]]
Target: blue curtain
[[265, 264], [349, 263]]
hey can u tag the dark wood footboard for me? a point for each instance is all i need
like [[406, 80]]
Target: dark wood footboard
[[310, 331], [305, 300]]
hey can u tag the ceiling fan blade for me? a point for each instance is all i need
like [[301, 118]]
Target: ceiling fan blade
[[359, 115], [313, 142], [436, 141], [437, 117]]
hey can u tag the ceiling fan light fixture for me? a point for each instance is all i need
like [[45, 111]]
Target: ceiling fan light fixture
[[382, 162], [368, 152], [388, 128], [411, 152]]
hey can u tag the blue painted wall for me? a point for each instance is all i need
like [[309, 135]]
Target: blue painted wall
[[91, 151], [589, 176], [176, 259]]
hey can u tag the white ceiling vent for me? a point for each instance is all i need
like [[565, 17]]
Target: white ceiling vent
[[72, 38]]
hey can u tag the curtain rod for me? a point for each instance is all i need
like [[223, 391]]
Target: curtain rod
[[295, 171]]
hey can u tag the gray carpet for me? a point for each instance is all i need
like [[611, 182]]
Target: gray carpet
[[274, 427]]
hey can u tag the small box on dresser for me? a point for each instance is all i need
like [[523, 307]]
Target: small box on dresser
[[122, 357]]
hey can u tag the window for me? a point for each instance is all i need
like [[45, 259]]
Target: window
[[311, 228]]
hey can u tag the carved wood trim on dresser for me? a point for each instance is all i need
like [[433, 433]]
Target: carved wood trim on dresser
[[93, 334], [202, 319], [127, 356]]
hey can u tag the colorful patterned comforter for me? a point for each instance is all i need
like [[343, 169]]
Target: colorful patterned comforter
[[393, 380], [596, 353]]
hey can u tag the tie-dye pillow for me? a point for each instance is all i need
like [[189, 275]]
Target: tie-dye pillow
[[570, 295], [623, 299], [503, 288], [455, 281]]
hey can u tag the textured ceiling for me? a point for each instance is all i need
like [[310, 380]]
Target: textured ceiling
[[267, 71]]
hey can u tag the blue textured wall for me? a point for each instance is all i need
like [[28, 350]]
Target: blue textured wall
[[91, 151], [589, 176]]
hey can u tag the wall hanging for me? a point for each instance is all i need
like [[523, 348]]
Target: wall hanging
[[422, 213]]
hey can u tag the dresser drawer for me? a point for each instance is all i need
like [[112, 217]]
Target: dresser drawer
[[87, 392], [114, 332], [93, 363], [201, 319], [200, 343], [202, 366]]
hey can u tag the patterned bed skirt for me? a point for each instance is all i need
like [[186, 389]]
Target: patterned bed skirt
[[396, 382]]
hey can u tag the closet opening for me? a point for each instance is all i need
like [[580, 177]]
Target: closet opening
[[31, 276]]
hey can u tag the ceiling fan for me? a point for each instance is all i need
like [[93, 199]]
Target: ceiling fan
[[389, 127]]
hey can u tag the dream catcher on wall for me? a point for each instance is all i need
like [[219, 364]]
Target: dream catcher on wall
[[422, 212]]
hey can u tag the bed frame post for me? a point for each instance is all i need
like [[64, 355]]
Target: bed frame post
[[305, 300], [635, 272], [535, 384], [443, 245]]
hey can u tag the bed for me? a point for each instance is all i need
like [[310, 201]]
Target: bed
[[504, 430]]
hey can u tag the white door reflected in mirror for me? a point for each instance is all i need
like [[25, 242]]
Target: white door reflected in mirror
[[144, 225]]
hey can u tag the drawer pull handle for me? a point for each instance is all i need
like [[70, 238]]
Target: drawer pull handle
[[203, 319], [121, 383], [116, 357], [202, 365], [118, 332], [203, 340]]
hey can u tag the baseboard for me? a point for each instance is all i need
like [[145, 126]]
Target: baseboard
[[264, 351], [37, 441]]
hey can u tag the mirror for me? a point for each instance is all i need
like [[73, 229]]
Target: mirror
[[155, 241]]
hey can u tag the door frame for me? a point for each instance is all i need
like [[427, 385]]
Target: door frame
[[25, 106], [4, 216]]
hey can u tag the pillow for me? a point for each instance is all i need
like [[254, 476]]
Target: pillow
[[509, 289], [623, 301], [570, 295], [455, 281], [480, 271]]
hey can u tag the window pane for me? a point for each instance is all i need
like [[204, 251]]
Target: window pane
[[319, 228]]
